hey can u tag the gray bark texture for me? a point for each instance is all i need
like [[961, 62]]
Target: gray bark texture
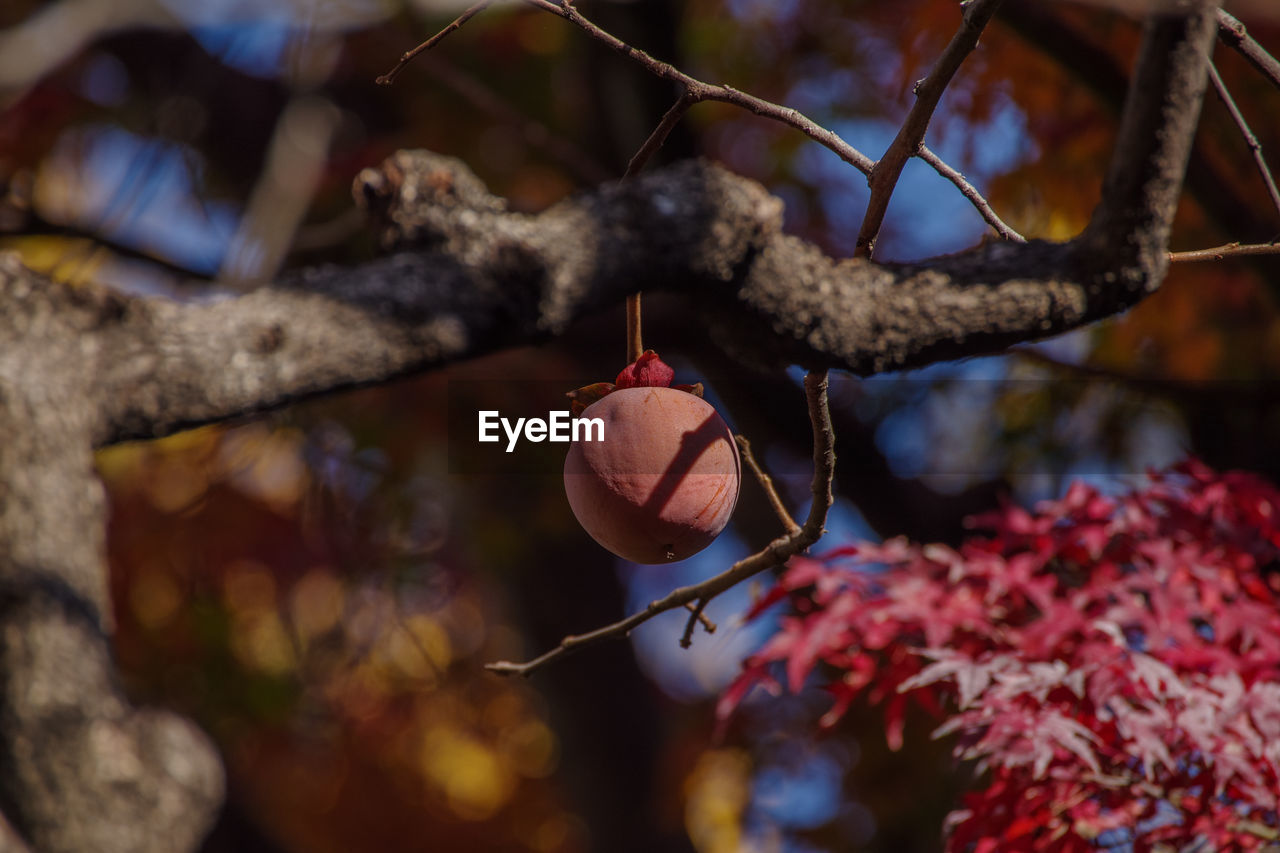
[[81, 769]]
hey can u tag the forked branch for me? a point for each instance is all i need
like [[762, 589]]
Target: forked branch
[[694, 91], [697, 91], [884, 177], [774, 554]]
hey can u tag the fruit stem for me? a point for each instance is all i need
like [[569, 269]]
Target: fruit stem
[[634, 346]]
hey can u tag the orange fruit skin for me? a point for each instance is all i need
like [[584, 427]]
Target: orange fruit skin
[[663, 483]]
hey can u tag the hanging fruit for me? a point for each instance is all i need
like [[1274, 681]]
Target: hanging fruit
[[664, 481]]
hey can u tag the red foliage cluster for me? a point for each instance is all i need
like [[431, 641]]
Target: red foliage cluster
[[1112, 664]]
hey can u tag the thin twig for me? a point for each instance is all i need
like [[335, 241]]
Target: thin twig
[[1249, 139], [970, 192], [775, 553], [390, 77], [1226, 251], [907, 143], [699, 91], [695, 616], [660, 133], [1234, 35], [766, 482]]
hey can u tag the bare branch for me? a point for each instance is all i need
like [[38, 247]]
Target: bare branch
[[971, 193], [884, 177], [1157, 127], [699, 91], [390, 77], [1234, 35], [157, 783], [696, 616], [1250, 140], [695, 90], [766, 482], [489, 278], [483, 278], [1229, 250], [775, 554]]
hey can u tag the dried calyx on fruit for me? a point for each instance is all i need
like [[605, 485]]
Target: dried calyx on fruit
[[664, 481]]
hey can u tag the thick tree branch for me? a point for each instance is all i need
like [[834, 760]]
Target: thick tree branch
[[1157, 127], [80, 769], [480, 277], [490, 278], [497, 279]]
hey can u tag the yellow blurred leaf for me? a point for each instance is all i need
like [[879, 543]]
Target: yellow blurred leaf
[[716, 794], [471, 775], [73, 260]]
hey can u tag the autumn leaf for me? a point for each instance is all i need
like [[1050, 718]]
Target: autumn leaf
[[1101, 656]]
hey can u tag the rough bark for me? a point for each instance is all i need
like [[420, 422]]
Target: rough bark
[[80, 768]]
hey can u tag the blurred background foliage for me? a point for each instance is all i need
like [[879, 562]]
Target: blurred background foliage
[[321, 586]]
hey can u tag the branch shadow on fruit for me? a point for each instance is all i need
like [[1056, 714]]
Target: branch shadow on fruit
[[693, 444]]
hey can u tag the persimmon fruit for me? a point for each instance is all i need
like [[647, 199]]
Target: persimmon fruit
[[664, 481]]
